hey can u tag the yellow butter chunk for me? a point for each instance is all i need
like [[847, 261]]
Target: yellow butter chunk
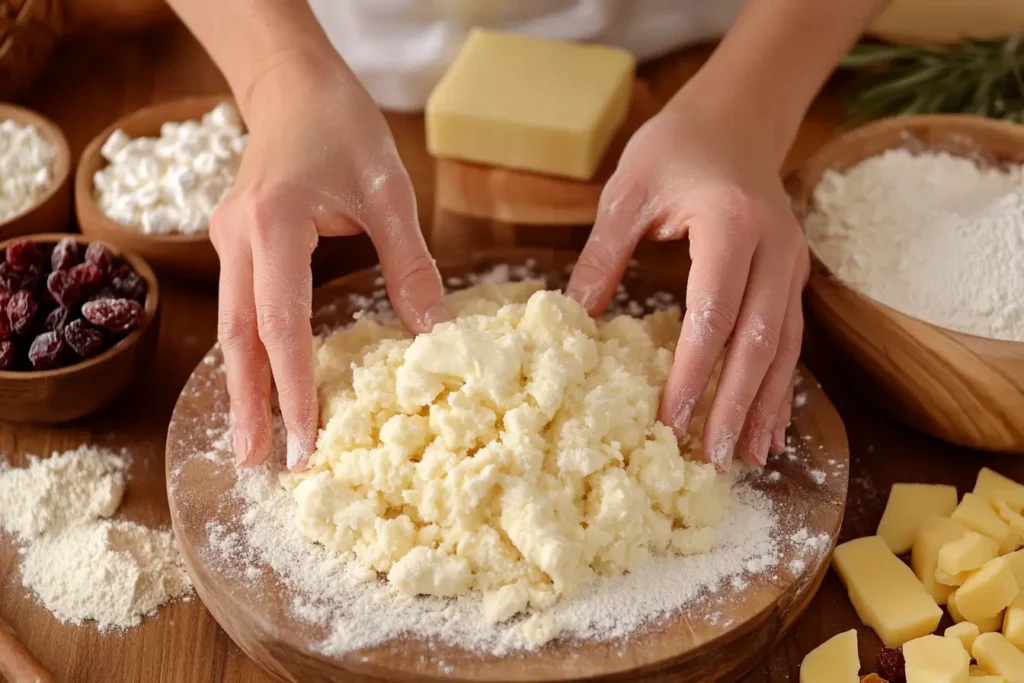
[[996, 655], [935, 533], [1013, 622], [834, 661], [967, 553], [1009, 515], [952, 580], [1016, 561], [530, 103], [965, 632], [985, 678], [993, 623], [976, 513], [934, 659], [909, 506], [994, 486], [987, 591], [885, 592]]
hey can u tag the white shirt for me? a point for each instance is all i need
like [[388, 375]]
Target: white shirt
[[400, 48]]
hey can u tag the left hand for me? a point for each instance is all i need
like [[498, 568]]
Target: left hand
[[712, 176]]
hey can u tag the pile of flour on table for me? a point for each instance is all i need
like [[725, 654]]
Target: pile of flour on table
[[935, 236], [80, 564]]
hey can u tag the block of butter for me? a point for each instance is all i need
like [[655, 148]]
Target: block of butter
[[934, 534], [885, 592], [976, 513], [1013, 622], [908, 507], [994, 486], [965, 632], [934, 659], [834, 661], [530, 103], [967, 553], [996, 655], [993, 623], [988, 591]]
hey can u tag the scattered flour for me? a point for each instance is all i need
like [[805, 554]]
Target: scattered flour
[[78, 563]]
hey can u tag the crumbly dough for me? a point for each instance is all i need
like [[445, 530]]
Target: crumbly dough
[[513, 451]]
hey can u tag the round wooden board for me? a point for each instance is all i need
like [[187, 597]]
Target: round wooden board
[[717, 638]]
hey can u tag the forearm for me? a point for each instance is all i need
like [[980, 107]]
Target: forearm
[[772, 63], [249, 39]]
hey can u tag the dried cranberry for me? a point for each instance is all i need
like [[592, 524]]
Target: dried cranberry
[[891, 662], [87, 276], [100, 256], [65, 255], [47, 351], [23, 254], [129, 284], [63, 287], [6, 354], [21, 310], [10, 279], [58, 319], [5, 326], [83, 340], [116, 315], [5, 296], [31, 277]]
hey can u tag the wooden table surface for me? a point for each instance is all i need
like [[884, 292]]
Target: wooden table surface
[[87, 85]]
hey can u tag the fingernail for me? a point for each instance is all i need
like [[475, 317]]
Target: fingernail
[[298, 454], [722, 451], [761, 447], [682, 420], [435, 315], [243, 447]]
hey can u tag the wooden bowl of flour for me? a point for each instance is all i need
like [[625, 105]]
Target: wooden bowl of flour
[[966, 389]]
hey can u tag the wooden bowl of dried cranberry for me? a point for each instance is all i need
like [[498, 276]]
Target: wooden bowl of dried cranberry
[[78, 321]]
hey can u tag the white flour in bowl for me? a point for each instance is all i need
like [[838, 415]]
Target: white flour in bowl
[[935, 236]]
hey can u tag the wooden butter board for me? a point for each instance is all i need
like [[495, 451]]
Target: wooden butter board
[[717, 638]]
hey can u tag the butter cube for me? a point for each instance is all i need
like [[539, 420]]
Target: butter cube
[[952, 580], [934, 659], [1016, 561], [996, 655], [885, 592], [984, 626], [1013, 622], [1009, 515], [909, 506], [924, 558], [967, 553], [530, 103], [994, 486], [987, 591], [976, 513], [965, 632], [834, 661]]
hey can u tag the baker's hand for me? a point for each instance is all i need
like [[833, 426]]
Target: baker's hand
[[693, 172], [320, 160]]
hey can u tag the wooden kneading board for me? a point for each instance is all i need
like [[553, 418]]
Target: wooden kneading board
[[689, 645]]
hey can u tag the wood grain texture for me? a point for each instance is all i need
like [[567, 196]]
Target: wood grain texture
[[73, 391], [959, 387], [689, 644], [92, 81], [52, 211]]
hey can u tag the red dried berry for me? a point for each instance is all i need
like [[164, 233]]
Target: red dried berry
[[65, 290], [65, 255], [100, 256], [10, 279], [116, 315], [6, 354], [5, 326], [58, 319], [21, 311], [892, 664], [23, 254], [129, 284], [87, 276], [47, 351], [85, 341]]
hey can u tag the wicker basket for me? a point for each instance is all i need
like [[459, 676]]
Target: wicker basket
[[28, 31]]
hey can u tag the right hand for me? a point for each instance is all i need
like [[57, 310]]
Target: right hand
[[320, 160]]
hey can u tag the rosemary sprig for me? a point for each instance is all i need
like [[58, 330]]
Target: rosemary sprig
[[983, 77]]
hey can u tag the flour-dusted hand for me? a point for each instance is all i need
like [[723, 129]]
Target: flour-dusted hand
[[320, 161], [688, 173]]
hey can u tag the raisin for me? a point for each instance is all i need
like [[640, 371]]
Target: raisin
[[100, 256], [47, 351], [129, 284], [87, 276], [63, 287], [23, 254], [58, 319], [6, 354], [891, 662], [5, 326], [65, 255], [83, 340], [10, 279], [21, 310], [116, 315]]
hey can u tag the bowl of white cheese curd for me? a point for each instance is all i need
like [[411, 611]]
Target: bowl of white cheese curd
[[916, 230], [35, 171], [150, 182]]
